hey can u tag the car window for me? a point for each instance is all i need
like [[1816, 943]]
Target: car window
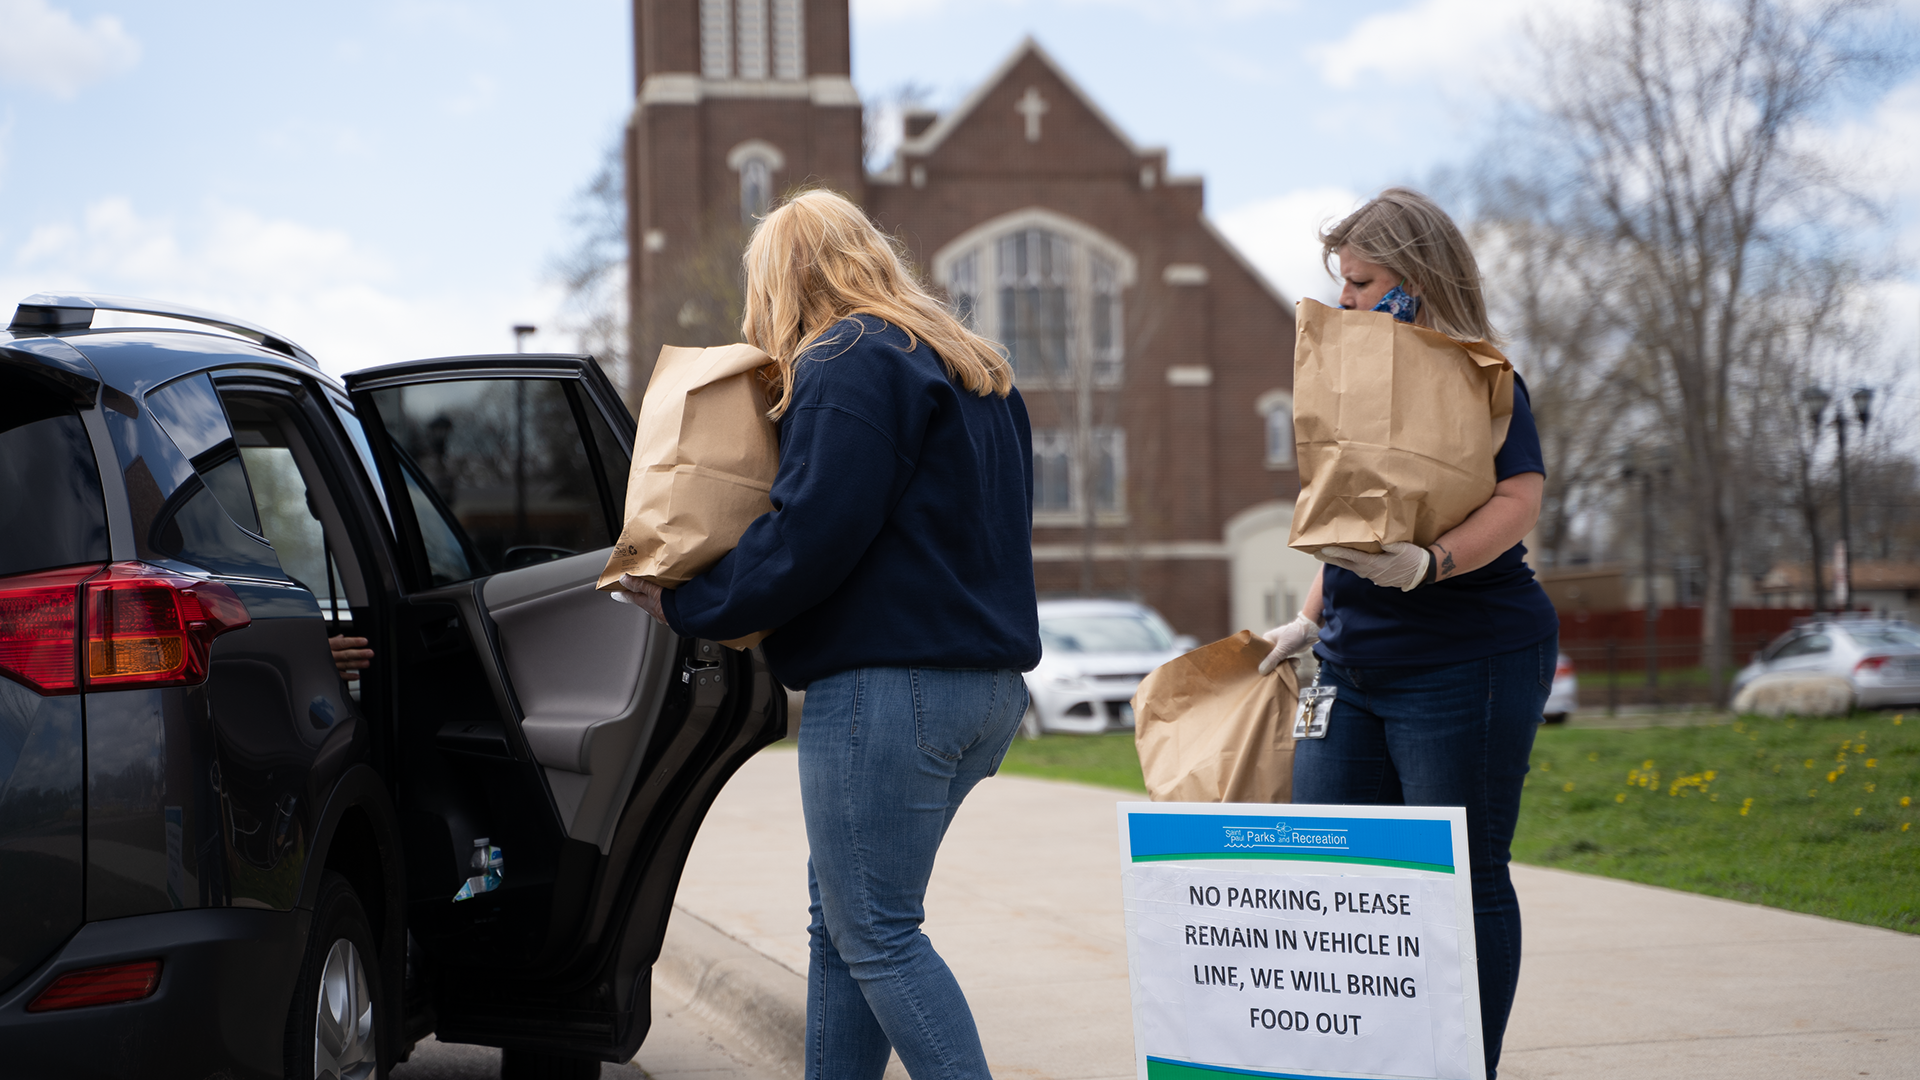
[[1890, 638], [190, 412], [1103, 633], [290, 500], [48, 477], [1811, 643], [497, 472]]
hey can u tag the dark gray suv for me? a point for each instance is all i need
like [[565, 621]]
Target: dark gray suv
[[219, 857]]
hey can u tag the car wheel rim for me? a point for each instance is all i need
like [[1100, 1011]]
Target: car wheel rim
[[343, 1047]]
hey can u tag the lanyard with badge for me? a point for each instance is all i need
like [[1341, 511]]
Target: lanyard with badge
[[1316, 705]]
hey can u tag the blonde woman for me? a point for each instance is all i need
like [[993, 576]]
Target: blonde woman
[[897, 566], [1440, 657]]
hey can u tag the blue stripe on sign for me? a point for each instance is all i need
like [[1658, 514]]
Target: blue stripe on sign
[[1394, 841]]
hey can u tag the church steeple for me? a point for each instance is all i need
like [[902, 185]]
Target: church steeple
[[735, 103]]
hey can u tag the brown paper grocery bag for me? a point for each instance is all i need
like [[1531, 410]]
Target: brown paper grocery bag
[[704, 458], [1210, 728], [1394, 426]]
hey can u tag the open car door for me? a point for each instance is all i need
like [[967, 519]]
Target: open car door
[[556, 751]]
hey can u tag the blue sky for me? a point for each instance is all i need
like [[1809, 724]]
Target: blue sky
[[382, 181]]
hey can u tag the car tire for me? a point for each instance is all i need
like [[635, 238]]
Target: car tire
[[1554, 718], [533, 1065], [333, 1030]]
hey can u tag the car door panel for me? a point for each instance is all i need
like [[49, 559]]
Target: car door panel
[[575, 734], [589, 675]]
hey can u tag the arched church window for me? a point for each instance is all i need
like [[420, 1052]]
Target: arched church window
[[756, 189], [1048, 289], [1276, 410], [756, 160]]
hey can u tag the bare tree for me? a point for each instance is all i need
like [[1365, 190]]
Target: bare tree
[[594, 271], [1673, 137]]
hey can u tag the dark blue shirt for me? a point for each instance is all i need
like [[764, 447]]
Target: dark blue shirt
[[902, 526], [1495, 609]]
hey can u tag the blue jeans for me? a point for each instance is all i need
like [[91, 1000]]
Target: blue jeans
[[1453, 735], [886, 756]]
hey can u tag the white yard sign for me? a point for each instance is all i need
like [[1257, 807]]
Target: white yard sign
[[1300, 941]]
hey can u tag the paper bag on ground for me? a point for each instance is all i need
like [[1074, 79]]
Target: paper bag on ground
[[1395, 427], [1210, 728], [704, 458]]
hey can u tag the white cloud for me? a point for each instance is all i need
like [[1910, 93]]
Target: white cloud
[[1454, 41], [44, 48], [1280, 237], [318, 286]]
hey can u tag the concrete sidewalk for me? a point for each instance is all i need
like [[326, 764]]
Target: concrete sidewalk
[[1618, 980]]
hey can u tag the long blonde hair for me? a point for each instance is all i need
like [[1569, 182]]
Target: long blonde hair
[[1409, 234], [815, 260]]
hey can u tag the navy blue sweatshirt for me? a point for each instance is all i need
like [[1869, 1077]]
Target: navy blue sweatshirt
[[902, 524]]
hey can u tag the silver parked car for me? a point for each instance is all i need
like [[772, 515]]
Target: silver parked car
[[1880, 657], [1565, 695], [1093, 655]]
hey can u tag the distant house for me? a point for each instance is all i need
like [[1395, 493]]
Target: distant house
[[1892, 588], [1157, 364]]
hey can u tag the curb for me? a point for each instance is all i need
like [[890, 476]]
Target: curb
[[753, 1001]]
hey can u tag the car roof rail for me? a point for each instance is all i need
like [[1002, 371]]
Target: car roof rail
[[51, 312]]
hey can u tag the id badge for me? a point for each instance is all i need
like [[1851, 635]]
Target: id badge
[[1310, 720]]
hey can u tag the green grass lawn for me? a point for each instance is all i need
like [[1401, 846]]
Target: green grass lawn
[[1808, 815], [1106, 760], [1817, 816]]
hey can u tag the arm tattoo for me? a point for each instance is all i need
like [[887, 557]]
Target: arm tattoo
[[1446, 564]]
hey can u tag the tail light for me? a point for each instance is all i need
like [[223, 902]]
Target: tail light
[[142, 627], [99, 986], [40, 628], [1871, 663], [146, 627], [1563, 669]]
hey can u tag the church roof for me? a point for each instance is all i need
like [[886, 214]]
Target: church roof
[[929, 140]]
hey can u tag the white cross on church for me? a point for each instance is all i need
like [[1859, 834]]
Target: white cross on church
[[1032, 106]]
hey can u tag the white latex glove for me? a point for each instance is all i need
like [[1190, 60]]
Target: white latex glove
[[629, 585], [1402, 566], [1290, 640]]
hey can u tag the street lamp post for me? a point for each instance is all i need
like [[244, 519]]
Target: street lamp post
[[1815, 400]]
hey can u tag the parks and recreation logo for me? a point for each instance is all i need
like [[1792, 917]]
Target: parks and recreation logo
[[1281, 836]]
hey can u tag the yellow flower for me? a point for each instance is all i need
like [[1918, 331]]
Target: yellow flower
[[1809, 763], [1568, 786], [1648, 764], [1710, 774], [1904, 824], [1622, 797], [1873, 762], [1593, 755], [1906, 800], [1856, 811], [1811, 792], [1832, 776], [1869, 789]]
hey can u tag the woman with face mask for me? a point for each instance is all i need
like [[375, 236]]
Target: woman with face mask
[[1440, 657], [897, 569]]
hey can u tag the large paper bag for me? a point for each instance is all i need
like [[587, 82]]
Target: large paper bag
[[1394, 426], [1210, 728], [704, 458]]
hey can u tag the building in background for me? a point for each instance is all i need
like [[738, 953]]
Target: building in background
[[1156, 363]]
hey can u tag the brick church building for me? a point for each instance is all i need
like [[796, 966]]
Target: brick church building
[[1156, 362]]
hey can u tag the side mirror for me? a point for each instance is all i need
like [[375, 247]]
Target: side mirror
[[1185, 643]]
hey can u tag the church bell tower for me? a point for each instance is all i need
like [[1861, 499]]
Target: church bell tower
[[735, 102]]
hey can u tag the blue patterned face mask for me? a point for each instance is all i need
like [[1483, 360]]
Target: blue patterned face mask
[[1399, 304]]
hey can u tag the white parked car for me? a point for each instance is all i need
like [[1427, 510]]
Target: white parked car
[[1093, 655], [1565, 695], [1880, 657]]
